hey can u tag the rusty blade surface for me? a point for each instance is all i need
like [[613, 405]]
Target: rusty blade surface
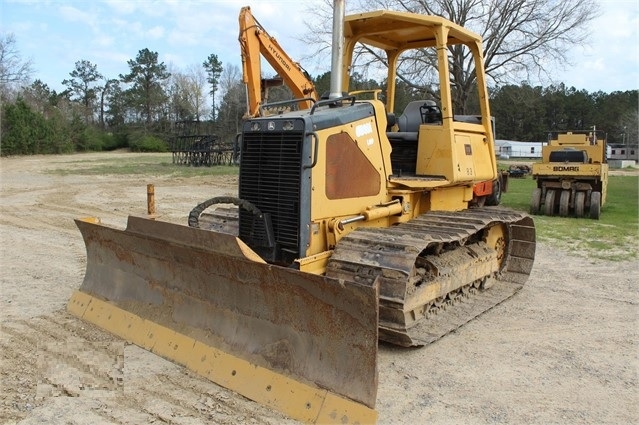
[[208, 286]]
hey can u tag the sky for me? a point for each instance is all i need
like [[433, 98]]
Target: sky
[[55, 34]]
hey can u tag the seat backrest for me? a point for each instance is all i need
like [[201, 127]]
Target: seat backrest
[[411, 118]]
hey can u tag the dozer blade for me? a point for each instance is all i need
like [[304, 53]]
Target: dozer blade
[[302, 344]]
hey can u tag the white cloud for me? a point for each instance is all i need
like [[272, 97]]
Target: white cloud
[[122, 7], [619, 19], [134, 29], [73, 14], [608, 61], [173, 61], [103, 40], [155, 32]]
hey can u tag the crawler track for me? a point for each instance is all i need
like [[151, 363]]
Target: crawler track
[[440, 270]]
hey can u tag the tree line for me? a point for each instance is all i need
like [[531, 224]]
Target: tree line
[[139, 109], [136, 110], [528, 113]]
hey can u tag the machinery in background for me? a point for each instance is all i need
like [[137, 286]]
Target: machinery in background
[[193, 147], [519, 171], [572, 177]]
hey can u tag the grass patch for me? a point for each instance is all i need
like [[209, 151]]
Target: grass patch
[[140, 164], [615, 236]]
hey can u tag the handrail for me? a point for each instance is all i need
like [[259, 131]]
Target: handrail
[[332, 102], [286, 102]]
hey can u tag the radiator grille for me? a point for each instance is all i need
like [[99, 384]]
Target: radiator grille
[[270, 177]]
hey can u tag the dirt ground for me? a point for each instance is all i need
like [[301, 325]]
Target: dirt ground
[[564, 350]]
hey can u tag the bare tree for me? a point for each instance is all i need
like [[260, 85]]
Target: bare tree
[[13, 69], [522, 38], [39, 97], [197, 81], [628, 127], [187, 93], [179, 93], [233, 103]]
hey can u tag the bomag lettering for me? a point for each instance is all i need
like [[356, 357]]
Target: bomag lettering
[[561, 168]]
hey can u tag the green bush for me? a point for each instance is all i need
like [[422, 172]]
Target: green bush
[[113, 141], [92, 140], [148, 143], [25, 132]]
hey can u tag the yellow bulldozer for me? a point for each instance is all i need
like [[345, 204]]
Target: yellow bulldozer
[[572, 177], [351, 224]]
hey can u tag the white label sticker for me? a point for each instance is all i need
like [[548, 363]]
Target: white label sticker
[[363, 129]]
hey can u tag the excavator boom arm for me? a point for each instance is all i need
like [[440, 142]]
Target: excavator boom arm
[[255, 42]]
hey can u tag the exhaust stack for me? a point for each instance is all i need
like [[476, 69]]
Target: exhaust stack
[[337, 49]]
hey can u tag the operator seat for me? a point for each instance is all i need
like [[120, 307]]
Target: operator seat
[[416, 113], [411, 119], [404, 142]]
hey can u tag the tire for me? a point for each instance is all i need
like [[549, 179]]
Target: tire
[[564, 203], [580, 203], [495, 197], [535, 201], [595, 205], [549, 203]]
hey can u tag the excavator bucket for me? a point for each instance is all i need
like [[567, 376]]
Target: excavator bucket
[[302, 344]]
